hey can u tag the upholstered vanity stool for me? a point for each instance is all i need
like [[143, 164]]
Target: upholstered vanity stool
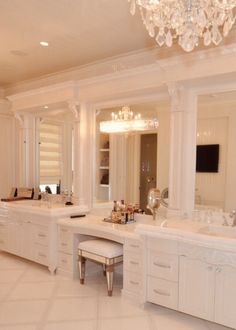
[[103, 251]]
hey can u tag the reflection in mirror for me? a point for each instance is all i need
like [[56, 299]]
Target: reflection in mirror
[[55, 134], [128, 165], [216, 125]]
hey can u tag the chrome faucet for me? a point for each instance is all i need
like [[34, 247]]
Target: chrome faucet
[[233, 215]]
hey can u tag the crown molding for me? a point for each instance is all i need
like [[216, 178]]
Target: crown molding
[[113, 65]]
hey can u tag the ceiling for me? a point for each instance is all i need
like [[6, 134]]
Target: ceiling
[[78, 31]]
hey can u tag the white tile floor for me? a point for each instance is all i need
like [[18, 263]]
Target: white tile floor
[[32, 299]]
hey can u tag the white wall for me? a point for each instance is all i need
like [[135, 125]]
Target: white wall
[[211, 186], [217, 125]]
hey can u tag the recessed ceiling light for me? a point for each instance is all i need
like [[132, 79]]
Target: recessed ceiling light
[[46, 107], [44, 43]]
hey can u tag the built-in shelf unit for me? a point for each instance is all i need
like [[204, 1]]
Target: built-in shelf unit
[[103, 157]]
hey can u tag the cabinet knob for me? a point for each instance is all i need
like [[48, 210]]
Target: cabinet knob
[[218, 270]]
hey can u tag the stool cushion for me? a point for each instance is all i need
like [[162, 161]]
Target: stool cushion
[[102, 247]]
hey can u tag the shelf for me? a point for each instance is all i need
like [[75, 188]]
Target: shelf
[[104, 167]]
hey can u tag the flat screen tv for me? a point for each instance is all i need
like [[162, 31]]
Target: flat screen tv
[[207, 158]]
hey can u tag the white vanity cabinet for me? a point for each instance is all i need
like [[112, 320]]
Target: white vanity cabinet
[[133, 268], [207, 284], [162, 272], [196, 288], [65, 250], [28, 237], [40, 243], [225, 293]]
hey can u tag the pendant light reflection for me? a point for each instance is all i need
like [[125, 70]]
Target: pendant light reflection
[[126, 121]]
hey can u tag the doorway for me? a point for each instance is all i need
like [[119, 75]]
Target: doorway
[[148, 167]]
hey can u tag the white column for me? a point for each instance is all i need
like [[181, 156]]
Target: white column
[[118, 167], [182, 150], [27, 150], [84, 154], [67, 154]]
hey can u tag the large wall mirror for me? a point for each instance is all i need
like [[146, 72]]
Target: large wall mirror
[[55, 152], [216, 151], [129, 164]]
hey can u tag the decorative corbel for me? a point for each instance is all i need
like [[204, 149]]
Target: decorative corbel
[[72, 105], [174, 91], [98, 112], [20, 119]]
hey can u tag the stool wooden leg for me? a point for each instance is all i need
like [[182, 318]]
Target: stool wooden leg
[[109, 273], [104, 269], [82, 261]]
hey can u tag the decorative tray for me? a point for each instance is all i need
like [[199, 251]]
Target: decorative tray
[[118, 221]]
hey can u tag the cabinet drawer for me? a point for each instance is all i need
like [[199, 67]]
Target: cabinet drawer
[[132, 262], [133, 245], [65, 261], [40, 234], [132, 282], [65, 243], [163, 265], [162, 292], [41, 254], [162, 245], [66, 247]]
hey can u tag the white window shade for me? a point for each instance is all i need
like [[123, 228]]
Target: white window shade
[[50, 153]]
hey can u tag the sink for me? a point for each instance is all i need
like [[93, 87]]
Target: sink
[[218, 231]]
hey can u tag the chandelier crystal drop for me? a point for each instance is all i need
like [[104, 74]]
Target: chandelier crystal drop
[[188, 21], [126, 121]]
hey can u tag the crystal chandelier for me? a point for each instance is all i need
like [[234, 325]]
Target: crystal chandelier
[[188, 21], [126, 121]]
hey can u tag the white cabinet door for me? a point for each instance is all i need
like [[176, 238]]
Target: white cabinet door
[[196, 288], [19, 238], [225, 294]]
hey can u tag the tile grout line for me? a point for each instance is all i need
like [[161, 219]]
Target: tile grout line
[[48, 306], [14, 285]]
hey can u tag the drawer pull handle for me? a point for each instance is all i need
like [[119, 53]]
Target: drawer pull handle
[[162, 293], [134, 262], [64, 244], [162, 265], [42, 255], [134, 283], [134, 245], [41, 235], [64, 261]]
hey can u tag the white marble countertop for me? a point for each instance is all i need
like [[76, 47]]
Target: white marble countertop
[[201, 234], [206, 235], [43, 208]]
